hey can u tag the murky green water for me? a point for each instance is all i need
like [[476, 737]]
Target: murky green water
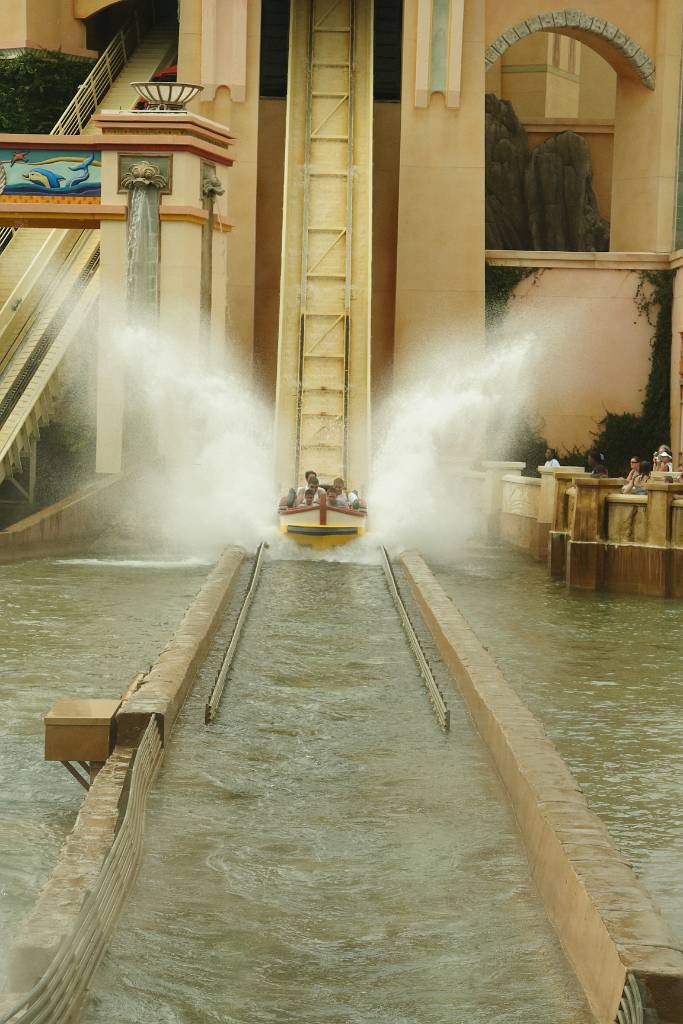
[[604, 673], [323, 853], [66, 630]]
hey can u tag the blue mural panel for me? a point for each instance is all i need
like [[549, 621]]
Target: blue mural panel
[[47, 172]]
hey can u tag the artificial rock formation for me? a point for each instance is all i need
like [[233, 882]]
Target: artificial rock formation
[[507, 154], [542, 199]]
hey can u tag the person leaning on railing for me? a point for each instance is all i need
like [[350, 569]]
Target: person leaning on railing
[[638, 483]]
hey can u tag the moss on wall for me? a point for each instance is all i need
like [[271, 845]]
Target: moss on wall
[[624, 434], [500, 283], [36, 87]]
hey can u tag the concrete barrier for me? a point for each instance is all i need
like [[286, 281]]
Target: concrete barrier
[[163, 690], [160, 694], [608, 925]]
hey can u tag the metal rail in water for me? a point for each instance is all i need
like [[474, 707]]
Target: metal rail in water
[[212, 703], [436, 697]]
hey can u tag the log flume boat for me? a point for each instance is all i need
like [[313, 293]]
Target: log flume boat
[[322, 525]]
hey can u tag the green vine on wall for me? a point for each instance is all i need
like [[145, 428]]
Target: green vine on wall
[[624, 434], [36, 87], [500, 283]]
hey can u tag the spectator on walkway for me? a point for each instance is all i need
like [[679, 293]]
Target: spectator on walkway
[[663, 460], [551, 460], [634, 469], [596, 463], [638, 484]]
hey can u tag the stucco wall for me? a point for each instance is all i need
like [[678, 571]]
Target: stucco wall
[[589, 349], [41, 24]]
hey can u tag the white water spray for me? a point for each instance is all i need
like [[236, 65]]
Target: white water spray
[[432, 431], [215, 438]]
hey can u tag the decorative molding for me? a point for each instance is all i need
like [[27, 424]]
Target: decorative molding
[[143, 174], [454, 81], [137, 170], [439, 71], [572, 21], [585, 260], [224, 48]]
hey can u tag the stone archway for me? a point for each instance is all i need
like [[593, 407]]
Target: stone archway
[[598, 33]]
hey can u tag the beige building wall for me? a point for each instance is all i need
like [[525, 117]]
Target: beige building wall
[[440, 245], [598, 87], [645, 146], [590, 352], [524, 74], [42, 24], [271, 157], [387, 148], [241, 115]]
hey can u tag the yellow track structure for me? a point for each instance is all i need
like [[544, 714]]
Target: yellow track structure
[[323, 381]]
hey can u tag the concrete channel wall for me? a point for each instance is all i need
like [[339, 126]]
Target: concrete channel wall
[[607, 923], [83, 857]]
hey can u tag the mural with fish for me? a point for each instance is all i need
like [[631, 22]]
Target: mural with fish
[[47, 172]]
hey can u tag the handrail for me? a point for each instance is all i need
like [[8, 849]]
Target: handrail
[[54, 997], [92, 89]]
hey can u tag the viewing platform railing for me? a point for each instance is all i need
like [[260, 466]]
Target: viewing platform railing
[[585, 528]]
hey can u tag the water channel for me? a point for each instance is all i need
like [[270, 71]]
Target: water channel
[[77, 628], [604, 673], [322, 852]]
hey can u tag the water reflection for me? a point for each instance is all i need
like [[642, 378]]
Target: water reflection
[[66, 630], [604, 675], [323, 853]]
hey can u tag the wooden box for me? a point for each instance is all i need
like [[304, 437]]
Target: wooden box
[[80, 730]]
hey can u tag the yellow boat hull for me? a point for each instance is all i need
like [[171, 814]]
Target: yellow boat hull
[[320, 538], [338, 526]]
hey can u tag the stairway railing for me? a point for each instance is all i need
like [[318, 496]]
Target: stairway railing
[[90, 92]]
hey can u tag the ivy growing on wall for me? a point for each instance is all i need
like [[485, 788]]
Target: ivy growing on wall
[[624, 434], [36, 87], [500, 283]]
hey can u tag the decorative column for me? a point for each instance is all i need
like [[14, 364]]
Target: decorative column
[[212, 187], [156, 269], [440, 248]]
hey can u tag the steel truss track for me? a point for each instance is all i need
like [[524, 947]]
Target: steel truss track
[[212, 703], [436, 698]]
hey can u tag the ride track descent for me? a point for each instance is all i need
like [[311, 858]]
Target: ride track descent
[[434, 693]]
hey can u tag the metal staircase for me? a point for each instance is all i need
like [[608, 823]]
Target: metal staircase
[[324, 335], [48, 278]]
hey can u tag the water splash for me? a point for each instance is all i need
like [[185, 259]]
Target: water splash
[[216, 441], [432, 431]]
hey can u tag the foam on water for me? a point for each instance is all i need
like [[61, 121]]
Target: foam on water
[[136, 563]]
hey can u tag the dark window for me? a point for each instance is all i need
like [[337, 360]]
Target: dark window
[[388, 32], [274, 47]]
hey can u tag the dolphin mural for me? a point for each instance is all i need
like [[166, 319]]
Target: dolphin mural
[[43, 176], [57, 173], [84, 169]]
